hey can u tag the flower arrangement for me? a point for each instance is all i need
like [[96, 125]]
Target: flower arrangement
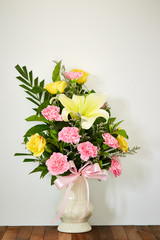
[[76, 125]]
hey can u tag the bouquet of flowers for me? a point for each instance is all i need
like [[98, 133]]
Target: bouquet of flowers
[[76, 125]]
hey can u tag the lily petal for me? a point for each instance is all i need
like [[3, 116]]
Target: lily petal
[[79, 101], [64, 114], [87, 122], [100, 113], [68, 103], [93, 102]]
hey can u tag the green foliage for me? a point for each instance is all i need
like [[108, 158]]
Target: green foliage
[[37, 129], [40, 168], [56, 72], [29, 160], [121, 132], [53, 178], [37, 118], [32, 86], [22, 154]]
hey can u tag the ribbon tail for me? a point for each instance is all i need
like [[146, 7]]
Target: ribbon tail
[[63, 205]]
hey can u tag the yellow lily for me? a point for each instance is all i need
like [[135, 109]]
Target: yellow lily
[[87, 107]]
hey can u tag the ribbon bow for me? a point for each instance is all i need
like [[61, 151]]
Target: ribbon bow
[[89, 170]]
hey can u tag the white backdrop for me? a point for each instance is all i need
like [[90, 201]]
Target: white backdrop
[[118, 43]]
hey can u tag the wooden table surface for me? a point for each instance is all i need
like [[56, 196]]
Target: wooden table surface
[[97, 233]]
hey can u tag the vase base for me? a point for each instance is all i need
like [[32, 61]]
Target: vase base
[[74, 227]]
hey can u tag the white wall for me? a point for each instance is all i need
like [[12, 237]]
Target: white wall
[[118, 43]]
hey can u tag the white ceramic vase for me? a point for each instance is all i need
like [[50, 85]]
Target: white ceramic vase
[[74, 219]]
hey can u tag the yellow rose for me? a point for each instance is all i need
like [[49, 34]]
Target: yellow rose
[[54, 87], [36, 144], [123, 145], [82, 79]]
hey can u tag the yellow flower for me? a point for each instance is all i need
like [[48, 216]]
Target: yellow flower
[[54, 87], [82, 79], [36, 144], [87, 107], [123, 145]]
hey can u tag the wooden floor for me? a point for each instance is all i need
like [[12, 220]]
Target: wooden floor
[[97, 233]]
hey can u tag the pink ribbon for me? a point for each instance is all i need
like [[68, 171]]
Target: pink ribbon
[[89, 170]]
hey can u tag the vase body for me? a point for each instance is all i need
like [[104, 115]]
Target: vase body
[[75, 216]]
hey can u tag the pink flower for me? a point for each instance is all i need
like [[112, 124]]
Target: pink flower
[[52, 112], [69, 135], [110, 140], [73, 75], [57, 163], [87, 150], [115, 166]]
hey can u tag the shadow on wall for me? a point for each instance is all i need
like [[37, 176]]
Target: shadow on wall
[[110, 198]]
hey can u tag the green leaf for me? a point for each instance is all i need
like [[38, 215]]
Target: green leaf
[[121, 132], [117, 124], [22, 154], [30, 99], [25, 72], [53, 141], [100, 163], [32, 95], [100, 140], [42, 106], [26, 140], [53, 133], [46, 96], [111, 120], [36, 129], [25, 87], [36, 81], [105, 146], [37, 118], [42, 86], [19, 69], [40, 168], [110, 128], [44, 173], [56, 72], [31, 77], [47, 149], [29, 160], [23, 80], [53, 178], [37, 89]]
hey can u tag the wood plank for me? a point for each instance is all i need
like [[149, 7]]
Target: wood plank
[[105, 233], [132, 232], [92, 235], [145, 233], [24, 233], [118, 233], [38, 233], [64, 236], [11, 233], [51, 233], [156, 231], [2, 231]]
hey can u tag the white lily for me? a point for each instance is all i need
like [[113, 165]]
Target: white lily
[[87, 107]]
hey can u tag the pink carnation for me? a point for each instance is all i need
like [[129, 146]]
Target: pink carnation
[[115, 166], [73, 75], [110, 140], [69, 135], [57, 163], [87, 150], [52, 112]]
